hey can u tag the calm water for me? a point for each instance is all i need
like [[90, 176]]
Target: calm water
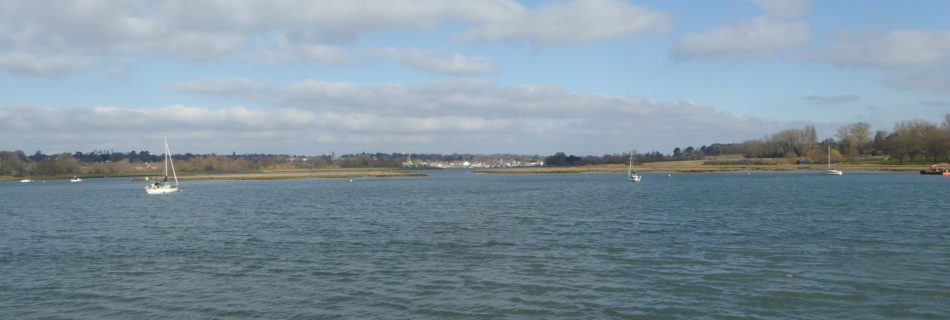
[[458, 245]]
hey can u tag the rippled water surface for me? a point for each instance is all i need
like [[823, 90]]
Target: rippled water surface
[[459, 245]]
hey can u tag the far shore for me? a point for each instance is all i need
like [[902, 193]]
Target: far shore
[[698, 166], [257, 175]]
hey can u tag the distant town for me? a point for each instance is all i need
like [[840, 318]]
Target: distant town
[[497, 163]]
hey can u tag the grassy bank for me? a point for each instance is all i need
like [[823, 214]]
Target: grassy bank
[[306, 174], [703, 166], [257, 175]]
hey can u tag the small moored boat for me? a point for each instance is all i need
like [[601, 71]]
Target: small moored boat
[[936, 170], [831, 171], [632, 175], [165, 186]]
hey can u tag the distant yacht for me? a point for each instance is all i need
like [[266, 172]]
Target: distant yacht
[[75, 179], [26, 180], [165, 186], [831, 171], [632, 175]]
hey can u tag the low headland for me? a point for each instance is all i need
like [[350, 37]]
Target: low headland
[[335, 173], [307, 174], [706, 166]]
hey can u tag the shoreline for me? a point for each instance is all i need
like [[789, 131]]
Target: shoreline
[[256, 175], [694, 167]]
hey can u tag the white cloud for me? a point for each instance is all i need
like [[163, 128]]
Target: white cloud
[[756, 38], [289, 51], [27, 63], [456, 116], [277, 31], [455, 64], [296, 30], [217, 86], [783, 8], [567, 22], [898, 49], [330, 20]]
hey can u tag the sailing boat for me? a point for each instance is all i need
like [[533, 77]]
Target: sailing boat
[[831, 171], [164, 186], [633, 176], [27, 179]]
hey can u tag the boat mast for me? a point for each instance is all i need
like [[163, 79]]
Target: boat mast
[[630, 168], [829, 156], [166, 160], [169, 153]]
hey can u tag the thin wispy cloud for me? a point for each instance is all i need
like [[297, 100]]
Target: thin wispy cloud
[[42, 65], [455, 64], [228, 86], [934, 103], [568, 22], [935, 82], [897, 49], [783, 8], [756, 38], [826, 100], [760, 37]]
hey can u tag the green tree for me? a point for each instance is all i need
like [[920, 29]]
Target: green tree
[[854, 139], [558, 159]]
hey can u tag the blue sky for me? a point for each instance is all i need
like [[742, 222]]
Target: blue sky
[[534, 77]]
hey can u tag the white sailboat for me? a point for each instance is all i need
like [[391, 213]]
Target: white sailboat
[[164, 186], [831, 171], [75, 179], [631, 175]]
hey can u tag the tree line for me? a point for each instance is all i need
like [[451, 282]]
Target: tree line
[[912, 140], [108, 162]]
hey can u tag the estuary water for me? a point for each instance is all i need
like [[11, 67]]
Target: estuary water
[[459, 245]]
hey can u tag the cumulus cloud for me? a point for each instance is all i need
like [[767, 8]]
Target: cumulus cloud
[[756, 38], [825, 100], [36, 35], [317, 116], [456, 64], [278, 31], [568, 22], [898, 49]]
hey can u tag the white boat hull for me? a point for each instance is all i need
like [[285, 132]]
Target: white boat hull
[[635, 178], [75, 180], [26, 180], [832, 172], [161, 190]]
